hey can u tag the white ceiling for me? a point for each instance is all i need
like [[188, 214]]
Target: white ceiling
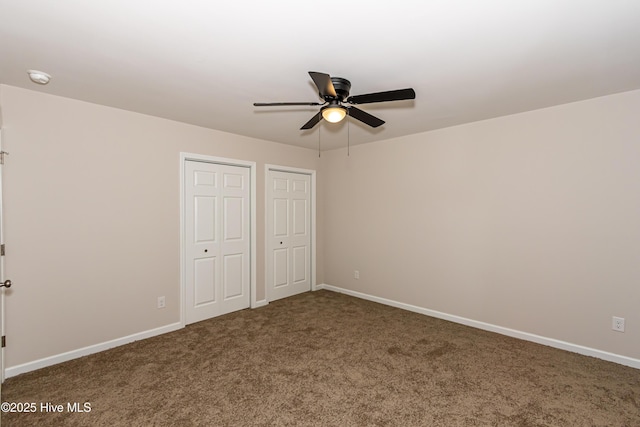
[[205, 62]]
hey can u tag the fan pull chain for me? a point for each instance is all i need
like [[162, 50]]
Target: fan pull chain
[[348, 134], [319, 127]]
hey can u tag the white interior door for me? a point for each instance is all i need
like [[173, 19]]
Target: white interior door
[[2, 291], [217, 239], [288, 234]]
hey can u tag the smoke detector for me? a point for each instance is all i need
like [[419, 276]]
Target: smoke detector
[[39, 77]]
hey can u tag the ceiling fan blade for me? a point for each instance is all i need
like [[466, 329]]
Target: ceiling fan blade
[[280, 104], [311, 123], [390, 95], [365, 117], [324, 84]]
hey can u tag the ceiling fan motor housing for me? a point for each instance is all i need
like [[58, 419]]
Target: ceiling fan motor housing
[[342, 87]]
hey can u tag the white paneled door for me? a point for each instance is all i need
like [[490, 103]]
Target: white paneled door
[[288, 234], [217, 239]]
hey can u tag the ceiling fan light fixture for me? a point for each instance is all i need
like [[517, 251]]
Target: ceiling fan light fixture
[[334, 114]]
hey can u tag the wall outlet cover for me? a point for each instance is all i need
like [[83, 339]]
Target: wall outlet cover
[[618, 324]]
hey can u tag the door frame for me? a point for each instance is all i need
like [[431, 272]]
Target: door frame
[[312, 173], [184, 157], [2, 269]]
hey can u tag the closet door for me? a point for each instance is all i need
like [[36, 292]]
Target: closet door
[[288, 234], [217, 212]]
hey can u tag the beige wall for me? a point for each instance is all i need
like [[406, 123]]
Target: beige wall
[[92, 218], [529, 222]]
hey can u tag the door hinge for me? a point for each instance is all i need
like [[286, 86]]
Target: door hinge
[[2, 249], [2, 154], [4, 341]]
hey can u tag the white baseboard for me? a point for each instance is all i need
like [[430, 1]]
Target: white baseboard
[[587, 351], [96, 348], [12, 371]]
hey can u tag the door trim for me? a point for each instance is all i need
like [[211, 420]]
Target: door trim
[[2, 292], [312, 173], [184, 157]]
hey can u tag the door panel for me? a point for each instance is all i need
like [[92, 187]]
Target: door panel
[[300, 185], [205, 280], [217, 239], [281, 217], [205, 178], [300, 217], [233, 272], [288, 234], [280, 184], [280, 267], [205, 218], [233, 180], [233, 207], [300, 262]]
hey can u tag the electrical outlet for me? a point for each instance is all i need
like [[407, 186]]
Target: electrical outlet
[[356, 274], [161, 302], [618, 324]]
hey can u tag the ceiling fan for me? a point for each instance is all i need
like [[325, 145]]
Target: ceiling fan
[[335, 91]]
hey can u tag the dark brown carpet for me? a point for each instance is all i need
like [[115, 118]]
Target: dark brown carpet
[[326, 359]]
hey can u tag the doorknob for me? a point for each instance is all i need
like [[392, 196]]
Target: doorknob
[[6, 284]]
